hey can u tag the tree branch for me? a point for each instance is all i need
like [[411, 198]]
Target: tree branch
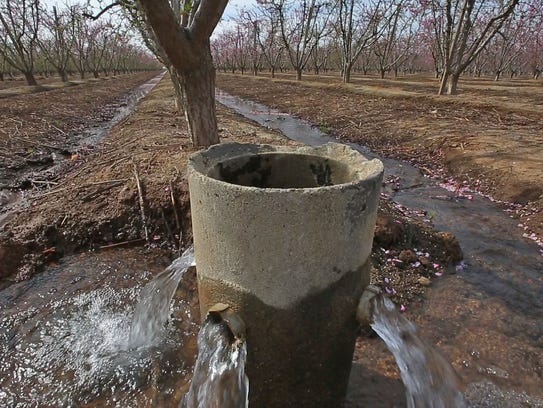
[[206, 18], [171, 37], [105, 9]]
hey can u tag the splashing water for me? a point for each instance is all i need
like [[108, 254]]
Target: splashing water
[[219, 379], [65, 338], [430, 380], [152, 310]]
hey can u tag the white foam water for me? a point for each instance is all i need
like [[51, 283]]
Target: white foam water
[[219, 379]]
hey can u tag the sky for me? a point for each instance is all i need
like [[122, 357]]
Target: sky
[[232, 11]]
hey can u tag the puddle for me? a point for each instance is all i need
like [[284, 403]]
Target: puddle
[[63, 336], [497, 290]]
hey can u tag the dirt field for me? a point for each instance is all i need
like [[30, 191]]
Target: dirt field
[[489, 138], [96, 205]]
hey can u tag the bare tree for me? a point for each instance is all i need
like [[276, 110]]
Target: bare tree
[[139, 21], [463, 29], [79, 31], [251, 26], [267, 35], [303, 24], [187, 46], [19, 26], [101, 36], [505, 48], [358, 25], [58, 44], [397, 40]]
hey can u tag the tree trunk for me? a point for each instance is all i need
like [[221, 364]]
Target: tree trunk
[[497, 76], [443, 84], [273, 72], [82, 74], [382, 72], [63, 75], [177, 81], [199, 87], [2, 76], [30, 80], [96, 74], [346, 74], [452, 88], [298, 74]]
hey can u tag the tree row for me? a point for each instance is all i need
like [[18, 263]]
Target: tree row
[[446, 37], [65, 41]]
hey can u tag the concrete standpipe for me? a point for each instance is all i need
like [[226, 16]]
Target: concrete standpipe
[[283, 235]]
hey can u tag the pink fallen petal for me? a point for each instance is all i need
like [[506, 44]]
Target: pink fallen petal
[[440, 273], [402, 308]]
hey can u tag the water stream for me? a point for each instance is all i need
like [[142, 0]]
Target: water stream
[[153, 308], [429, 379], [494, 298], [68, 336], [219, 379]]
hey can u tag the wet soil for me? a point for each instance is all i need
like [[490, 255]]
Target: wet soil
[[490, 137], [134, 181], [96, 204]]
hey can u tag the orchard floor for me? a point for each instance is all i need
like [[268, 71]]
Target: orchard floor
[[489, 137], [95, 204]]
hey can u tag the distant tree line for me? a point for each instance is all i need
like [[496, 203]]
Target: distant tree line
[[389, 37], [37, 40]]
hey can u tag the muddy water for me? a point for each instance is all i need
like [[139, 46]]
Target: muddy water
[[63, 336], [14, 184], [485, 313]]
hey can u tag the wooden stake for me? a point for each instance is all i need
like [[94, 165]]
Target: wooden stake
[[142, 204]]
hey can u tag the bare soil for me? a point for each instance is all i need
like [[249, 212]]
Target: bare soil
[[37, 124], [489, 138], [96, 204]]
